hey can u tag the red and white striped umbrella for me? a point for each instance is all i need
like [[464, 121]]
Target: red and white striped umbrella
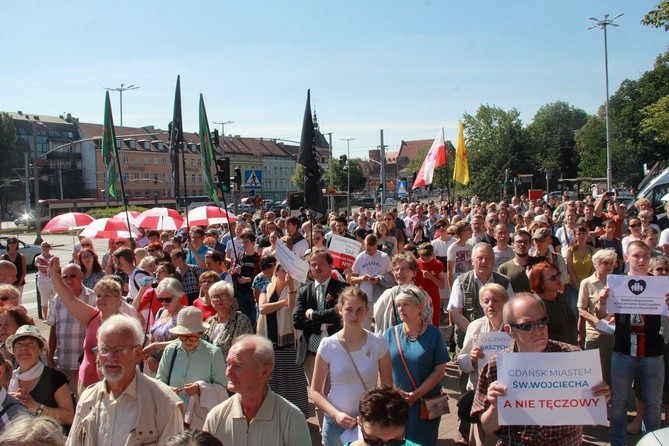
[[110, 228], [157, 212], [131, 214], [208, 215], [159, 222], [68, 222]]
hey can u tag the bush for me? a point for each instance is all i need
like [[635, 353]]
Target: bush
[[107, 213]]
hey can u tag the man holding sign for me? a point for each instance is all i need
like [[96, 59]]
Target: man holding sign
[[637, 350], [526, 322]]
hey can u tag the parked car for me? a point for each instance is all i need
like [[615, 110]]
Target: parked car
[[28, 250]]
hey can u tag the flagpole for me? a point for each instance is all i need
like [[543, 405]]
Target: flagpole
[[125, 200]]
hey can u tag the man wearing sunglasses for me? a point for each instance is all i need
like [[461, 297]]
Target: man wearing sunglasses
[[525, 320]]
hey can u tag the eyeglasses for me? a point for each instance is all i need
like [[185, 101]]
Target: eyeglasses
[[219, 297], [530, 326], [388, 219], [166, 300], [154, 249], [635, 225], [5, 298], [103, 350], [494, 220], [438, 227], [191, 338], [68, 276], [450, 233], [377, 442]]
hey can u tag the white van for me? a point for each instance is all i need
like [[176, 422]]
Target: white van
[[654, 187]]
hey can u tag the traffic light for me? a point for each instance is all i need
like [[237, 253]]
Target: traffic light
[[380, 187], [223, 166], [238, 178], [343, 159], [214, 137]]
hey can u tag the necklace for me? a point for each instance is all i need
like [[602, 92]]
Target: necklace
[[406, 332]]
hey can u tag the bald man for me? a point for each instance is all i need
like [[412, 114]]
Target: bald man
[[7, 272]]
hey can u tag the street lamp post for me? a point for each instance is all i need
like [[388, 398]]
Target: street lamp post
[[348, 161], [120, 90], [603, 24]]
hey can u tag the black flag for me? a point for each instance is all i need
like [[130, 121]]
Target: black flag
[[176, 137], [308, 157]]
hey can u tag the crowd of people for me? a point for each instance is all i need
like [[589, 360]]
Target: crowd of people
[[204, 337]]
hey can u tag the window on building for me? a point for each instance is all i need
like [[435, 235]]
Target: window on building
[[132, 144], [146, 176], [137, 176], [155, 161], [164, 160], [125, 159], [136, 160], [147, 160]]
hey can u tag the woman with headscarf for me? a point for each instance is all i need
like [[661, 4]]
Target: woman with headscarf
[[418, 356]]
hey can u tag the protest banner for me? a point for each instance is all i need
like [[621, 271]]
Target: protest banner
[[491, 343], [637, 294], [550, 389], [296, 267], [343, 251]]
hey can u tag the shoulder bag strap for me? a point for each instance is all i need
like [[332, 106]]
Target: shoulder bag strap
[[355, 367], [404, 363], [174, 358]]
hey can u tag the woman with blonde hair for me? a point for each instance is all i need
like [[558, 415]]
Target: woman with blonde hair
[[355, 359], [275, 322]]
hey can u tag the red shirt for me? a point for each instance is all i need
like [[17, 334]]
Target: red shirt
[[430, 288]]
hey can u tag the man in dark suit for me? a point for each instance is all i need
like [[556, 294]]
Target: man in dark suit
[[316, 313]]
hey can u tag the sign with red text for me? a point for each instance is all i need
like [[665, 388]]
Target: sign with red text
[[550, 389], [491, 343], [343, 251], [637, 294]]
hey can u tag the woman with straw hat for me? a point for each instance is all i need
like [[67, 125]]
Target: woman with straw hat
[[194, 368]]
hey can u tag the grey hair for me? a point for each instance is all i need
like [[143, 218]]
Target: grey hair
[[222, 286], [123, 323], [604, 256], [170, 285], [508, 315], [29, 430], [485, 247], [263, 350], [412, 293]]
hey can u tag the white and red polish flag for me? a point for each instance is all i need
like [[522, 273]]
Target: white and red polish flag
[[436, 157]]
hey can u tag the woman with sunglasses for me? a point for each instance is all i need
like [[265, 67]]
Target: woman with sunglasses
[[227, 324], [418, 355], [147, 305], [545, 281], [169, 292], [203, 303], [383, 416], [108, 303], [276, 304], [633, 233], [193, 368], [19, 260]]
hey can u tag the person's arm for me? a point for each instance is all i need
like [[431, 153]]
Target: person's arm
[[321, 372], [436, 278], [52, 347], [64, 412], [459, 319], [450, 269], [24, 268], [599, 205], [386, 370], [489, 418], [199, 260], [300, 320], [139, 297], [266, 307], [430, 382], [80, 310]]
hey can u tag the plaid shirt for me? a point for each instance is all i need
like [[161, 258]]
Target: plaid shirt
[[191, 279], [526, 435], [70, 333]]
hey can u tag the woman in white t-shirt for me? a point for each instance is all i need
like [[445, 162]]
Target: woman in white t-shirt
[[355, 359]]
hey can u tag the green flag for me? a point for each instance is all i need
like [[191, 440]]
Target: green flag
[[109, 153], [207, 153]]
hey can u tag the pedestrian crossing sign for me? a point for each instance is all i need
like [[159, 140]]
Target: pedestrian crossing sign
[[253, 178], [401, 188]]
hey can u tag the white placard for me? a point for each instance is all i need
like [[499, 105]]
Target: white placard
[[296, 267], [550, 389], [343, 251], [492, 343], [637, 294]]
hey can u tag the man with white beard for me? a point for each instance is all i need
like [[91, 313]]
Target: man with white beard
[[126, 407]]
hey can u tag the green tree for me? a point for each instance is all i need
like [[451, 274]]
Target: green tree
[[551, 136], [340, 175], [442, 174], [658, 17], [496, 141], [591, 147], [631, 147], [655, 121]]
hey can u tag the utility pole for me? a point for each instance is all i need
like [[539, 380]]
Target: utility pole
[[38, 220], [348, 171], [382, 175]]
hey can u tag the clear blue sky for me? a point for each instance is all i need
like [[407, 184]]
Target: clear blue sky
[[408, 67]]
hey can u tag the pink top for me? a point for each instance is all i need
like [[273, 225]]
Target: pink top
[[88, 373]]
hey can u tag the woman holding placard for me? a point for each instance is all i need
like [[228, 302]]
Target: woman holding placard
[[492, 298]]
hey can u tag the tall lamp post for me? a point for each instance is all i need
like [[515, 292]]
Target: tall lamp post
[[603, 24], [348, 160], [120, 90]]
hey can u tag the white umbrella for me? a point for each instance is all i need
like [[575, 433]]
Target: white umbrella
[[110, 228]]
